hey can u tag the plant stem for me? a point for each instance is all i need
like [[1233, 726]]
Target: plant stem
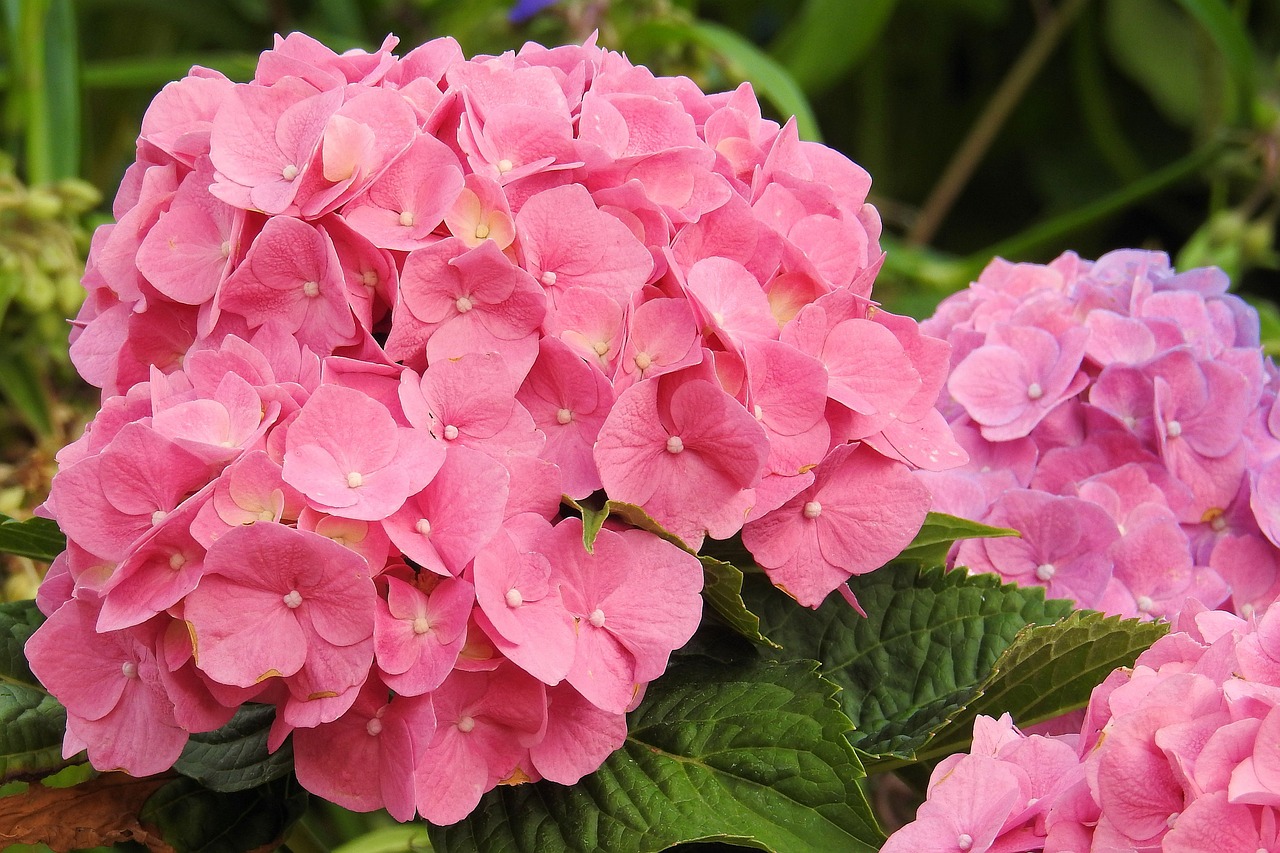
[[984, 130]]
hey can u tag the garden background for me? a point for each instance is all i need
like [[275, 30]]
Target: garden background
[[1019, 128]]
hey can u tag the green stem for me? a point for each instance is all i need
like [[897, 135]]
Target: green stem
[[1046, 233], [302, 840], [984, 131]]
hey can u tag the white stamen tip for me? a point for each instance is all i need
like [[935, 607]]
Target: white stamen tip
[[421, 625], [423, 527], [1145, 604], [292, 599], [225, 249], [369, 278], [812, 509], [374, 726], [548, 278], [643, 361], [289, 172], [158, 516], [505, 165], [1034, 391], [482, 231], [129, 669], [600, 347], [563, 416], [514, 598], [596, 618], [177, 560], [450, 432], [466, 724], [757, 412], [1247, 610], [1173, 429], [266, 515], [355, 480], [1045, 572], [964, 841], [311, 289], [674, 444], [463, 304], [406, 218]]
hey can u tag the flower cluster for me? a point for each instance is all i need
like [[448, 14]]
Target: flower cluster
[[359, 326], [1175, 755], [1122, 417]]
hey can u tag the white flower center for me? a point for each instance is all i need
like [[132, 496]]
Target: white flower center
[[289, 172], [421, 625], [674, 444], [1046, 571], [158, 516], [423, 527], [482, 231], [266, 515], [812, 509], [311, 289], [1173, 429], [292, 599], [596, 618], [548, 278], [1034, 391], [355, 480], [369, 278], [505, 165], [514, 598], [563, 416], [1247, 610], [466, 724], [463, 304], [1145, 604], [643, 361], [450, 432], [129, 669], [601, 347], [225, 249], [406, 218], [374, 726], [964, 841], [177, 560]]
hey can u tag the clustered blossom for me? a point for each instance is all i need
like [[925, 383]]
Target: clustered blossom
[[362, 322], [1175, 755], [1122, 417]]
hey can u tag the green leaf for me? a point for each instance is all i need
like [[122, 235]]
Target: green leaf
[[1050, 670], [388, 839], [44, 62], [940, 531], [31, 721], [722, 590], [754, 754], [1155, 45], [928, 644], [194, 819], [1232, 40], [18, 621], [37, 538], [827, 38], [235, 757], [31, 727]]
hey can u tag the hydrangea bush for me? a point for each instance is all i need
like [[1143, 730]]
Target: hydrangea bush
[[1121, 416], [360, 325], [1175, 754]]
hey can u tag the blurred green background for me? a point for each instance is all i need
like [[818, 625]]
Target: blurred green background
[[1012, 127]]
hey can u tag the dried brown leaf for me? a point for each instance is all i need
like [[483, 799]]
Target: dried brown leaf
[[97, 813]]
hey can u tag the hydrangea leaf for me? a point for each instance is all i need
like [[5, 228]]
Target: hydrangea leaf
[[754, 754], [235, 757], [926, 649], [722, 580], [1049, 670], [37, 538], [189, 816], [31, 721], [940, 531]]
